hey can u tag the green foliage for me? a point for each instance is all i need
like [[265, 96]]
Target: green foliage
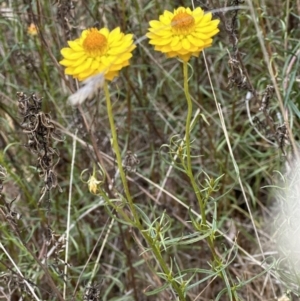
[[148, 213]]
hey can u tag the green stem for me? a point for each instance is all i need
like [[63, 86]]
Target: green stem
[[188, 143], [137, 223], [116, 148], [189, 170]]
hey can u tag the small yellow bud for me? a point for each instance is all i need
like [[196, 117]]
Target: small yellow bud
[[31, 30], [93, 184]]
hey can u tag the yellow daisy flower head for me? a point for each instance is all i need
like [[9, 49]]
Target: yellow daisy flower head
[[184, 33], [97, 51]]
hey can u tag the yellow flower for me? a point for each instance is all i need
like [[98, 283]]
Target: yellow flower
[[97, 51], [93, 184], [184, 33], [31, 30]]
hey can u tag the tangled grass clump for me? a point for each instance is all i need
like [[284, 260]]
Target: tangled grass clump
[[40, 131]]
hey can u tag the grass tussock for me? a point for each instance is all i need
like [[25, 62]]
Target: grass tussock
[[158, 185]]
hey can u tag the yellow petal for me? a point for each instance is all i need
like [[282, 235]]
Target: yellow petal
[[111, 75], [76, 55], [160, 48], [119, 50], [207, 43], [179, 9], [198, 13], [69, 71], [105, 31], [185, 57], [177, 46], [162, 32], [175, 41], [151, 35], [186, 44], [66, 52], [166, 48], [188, 10], [79, 61], [194, 41], [171, 54], [115, 31], [75, 45], [155, 24], [168, 15], [95, 64], [199, 35], [118, 67], [84, 33], [66, 63], [85, 74], [128, 38], [206, 18], [164, 20], [196, 54], [212, 33], [115, 35], [183, 51], [123, 57], [84, 66], [163, 41], [207, 29], [75, 63]]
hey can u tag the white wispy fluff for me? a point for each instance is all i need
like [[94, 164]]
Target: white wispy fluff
[[287, 226], [91, 86]]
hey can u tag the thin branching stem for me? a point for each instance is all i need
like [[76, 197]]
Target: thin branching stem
[[205, 225], [155, 249]]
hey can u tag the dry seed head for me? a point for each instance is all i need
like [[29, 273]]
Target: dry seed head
[[287, 224]]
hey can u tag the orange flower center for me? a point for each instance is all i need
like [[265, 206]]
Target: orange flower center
[[95, 43], [183, 22]]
